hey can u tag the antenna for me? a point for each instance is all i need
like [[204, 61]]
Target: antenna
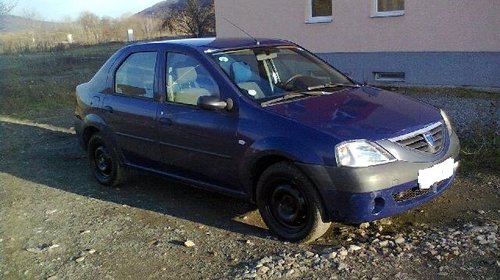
[[241, 29]]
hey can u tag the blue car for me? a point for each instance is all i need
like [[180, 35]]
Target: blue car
[[267, 121]]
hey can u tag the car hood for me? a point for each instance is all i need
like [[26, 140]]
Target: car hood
[[360, 113]]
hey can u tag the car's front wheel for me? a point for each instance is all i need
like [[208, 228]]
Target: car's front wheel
[[104, 162], [289, 204]]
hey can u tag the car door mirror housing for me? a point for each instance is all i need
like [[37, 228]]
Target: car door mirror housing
[[211, 102]]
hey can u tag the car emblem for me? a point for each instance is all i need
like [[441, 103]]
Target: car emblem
[[429, 139]]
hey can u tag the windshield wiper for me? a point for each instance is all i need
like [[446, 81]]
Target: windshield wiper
[[332, 85], [290, 95], [311, 91]]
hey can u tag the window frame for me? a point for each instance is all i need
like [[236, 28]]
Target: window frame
[[312, 19], [155, 78], [376, 13], [200, 63]]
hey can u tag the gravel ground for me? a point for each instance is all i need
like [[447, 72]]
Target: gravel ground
[[56, 222], [375, 255], [467, 114]]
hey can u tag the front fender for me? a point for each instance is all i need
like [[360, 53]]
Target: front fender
[[276, 148], [289, 148]]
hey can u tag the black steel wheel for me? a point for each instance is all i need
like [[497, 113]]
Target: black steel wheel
[[104, 162], [289, 204]]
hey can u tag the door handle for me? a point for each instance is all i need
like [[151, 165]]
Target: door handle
[[108, 109], [166, 121]]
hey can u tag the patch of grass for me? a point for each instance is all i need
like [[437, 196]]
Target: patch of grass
[[480, 151], [41, 83]]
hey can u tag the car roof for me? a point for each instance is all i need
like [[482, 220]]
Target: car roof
[[215, 44]]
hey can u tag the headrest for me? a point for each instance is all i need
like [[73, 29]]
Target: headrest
[[241, 72], [186, 74]]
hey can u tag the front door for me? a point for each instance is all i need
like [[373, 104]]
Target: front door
[[196, 143]]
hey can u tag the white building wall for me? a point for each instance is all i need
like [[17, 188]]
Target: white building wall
[[426, 26]]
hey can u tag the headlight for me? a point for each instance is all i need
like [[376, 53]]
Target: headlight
[[447, 121], [361, 153]]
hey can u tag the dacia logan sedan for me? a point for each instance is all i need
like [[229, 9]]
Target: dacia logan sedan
[[267, 121]]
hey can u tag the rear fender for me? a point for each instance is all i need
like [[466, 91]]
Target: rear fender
[[95, 122]]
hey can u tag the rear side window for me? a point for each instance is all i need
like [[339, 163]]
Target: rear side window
[[136, 76]]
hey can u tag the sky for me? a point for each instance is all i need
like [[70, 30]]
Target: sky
[[58, 10]]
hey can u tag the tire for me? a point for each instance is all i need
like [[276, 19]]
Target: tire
[[104, 162], [289, 204]]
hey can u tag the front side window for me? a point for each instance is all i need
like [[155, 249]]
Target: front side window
[[319, 11], [383, 8], [187, 80], [264, 73], [136, 76]]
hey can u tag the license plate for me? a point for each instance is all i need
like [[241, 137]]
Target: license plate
[[437, 173]]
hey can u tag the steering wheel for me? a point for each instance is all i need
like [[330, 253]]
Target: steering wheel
[[288, 83]]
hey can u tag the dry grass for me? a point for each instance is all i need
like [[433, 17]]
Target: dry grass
[[40, 84]]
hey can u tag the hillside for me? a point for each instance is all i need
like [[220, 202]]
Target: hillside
[[10, 23], [165, 7]]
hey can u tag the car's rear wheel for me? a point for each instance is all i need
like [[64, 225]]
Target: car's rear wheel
[[104, 162], [289, 204]]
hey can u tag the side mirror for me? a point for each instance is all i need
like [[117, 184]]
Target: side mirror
[[211, 102]]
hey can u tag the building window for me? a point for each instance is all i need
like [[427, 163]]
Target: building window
[[389, 77], [319, 11], [388, 8]]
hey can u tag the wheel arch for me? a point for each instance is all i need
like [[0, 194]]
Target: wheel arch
[[315, 223], [268, 151], [267, 160], [93, 124], [87, 133], [260, 165]]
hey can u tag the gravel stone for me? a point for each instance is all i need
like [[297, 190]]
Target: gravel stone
[[384, 243], [364, 225], [353, 248], [263, 270], [399, 240], [189, 243]]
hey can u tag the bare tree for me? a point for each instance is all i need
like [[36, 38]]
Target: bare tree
[[34, 24], [90, 24], [197, 19], [6, 6], [149, 25]]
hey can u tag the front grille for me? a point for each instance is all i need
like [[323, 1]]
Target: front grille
[[409, 194], [428, 140]]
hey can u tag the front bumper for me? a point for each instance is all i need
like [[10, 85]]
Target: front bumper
[[356, 195], [364, 207]]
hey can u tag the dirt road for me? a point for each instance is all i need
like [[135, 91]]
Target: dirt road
[[56, 222]]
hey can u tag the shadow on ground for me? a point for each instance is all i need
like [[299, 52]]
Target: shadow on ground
[[52, 157]]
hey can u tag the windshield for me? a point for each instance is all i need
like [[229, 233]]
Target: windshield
[[264, 73]]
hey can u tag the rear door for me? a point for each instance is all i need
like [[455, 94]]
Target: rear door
[[131, 109]]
